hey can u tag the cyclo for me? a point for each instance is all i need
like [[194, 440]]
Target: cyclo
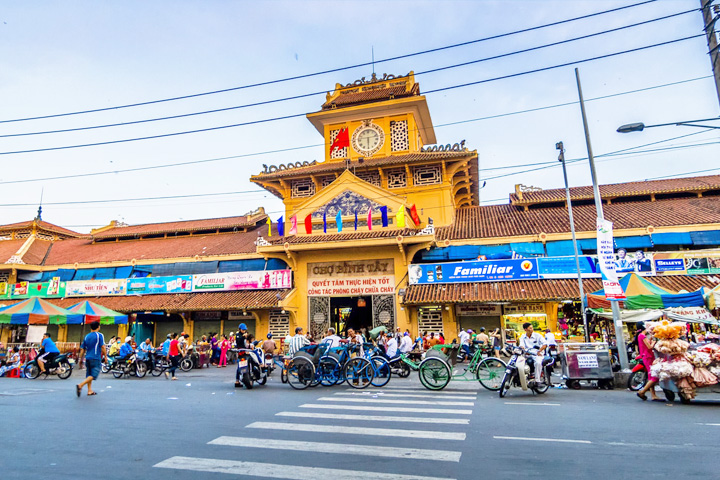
[[319, 364], [438, 368]]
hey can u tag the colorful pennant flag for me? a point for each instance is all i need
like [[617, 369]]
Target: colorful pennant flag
[[338, 221], [383, 214], [341, 141], [414, 215], [269, 224], [400, 217], [369, 219], [324, 223], [308, 224], [356, 219], [281, 226], [293, 225]]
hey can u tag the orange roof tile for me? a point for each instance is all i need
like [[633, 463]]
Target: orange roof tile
[[42, 225], [8, 248], [183, 226], [508, 220], [674, 185], [378, 232], [37, 251], [350, 98]]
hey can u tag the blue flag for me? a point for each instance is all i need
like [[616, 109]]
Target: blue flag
[[338, 221], [281, 227], [383, 212], [324, 223], [356, 220]]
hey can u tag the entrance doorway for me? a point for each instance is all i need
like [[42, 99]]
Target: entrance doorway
[[351, 312]]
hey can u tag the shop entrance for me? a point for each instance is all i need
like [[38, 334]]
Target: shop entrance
[[351, 312]]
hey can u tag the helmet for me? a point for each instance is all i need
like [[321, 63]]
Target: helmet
[[242, 326], [482, 329], [128, 339], [269, 335], [469, 331]]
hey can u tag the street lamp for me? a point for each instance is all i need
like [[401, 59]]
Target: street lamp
[[639, 127]]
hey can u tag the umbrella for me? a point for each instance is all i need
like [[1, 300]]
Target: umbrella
[[36, 311], [97, 313]]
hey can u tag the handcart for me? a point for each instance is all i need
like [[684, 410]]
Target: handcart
[[670, 390], [586, 362]]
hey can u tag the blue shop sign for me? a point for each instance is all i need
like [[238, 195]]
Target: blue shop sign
[[152, 285], [564, 267], [670, 265], [479, 271]]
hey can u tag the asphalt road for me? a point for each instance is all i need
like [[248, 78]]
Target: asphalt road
[[200, 424]]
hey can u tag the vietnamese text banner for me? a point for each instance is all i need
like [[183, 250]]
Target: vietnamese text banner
[[607, 261], [479, 271], [153, 285], [95, 288], [261, 280]]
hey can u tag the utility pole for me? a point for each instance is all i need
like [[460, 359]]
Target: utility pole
[[561, 158], [617, 319], [709, 27]]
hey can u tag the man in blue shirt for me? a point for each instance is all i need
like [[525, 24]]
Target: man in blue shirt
[[48, 352], [145, 349], [166, 346], [127, 349], [93, 347]]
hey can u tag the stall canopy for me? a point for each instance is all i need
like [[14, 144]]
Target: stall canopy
[[689, 314], [97, 313], [713, 298], [36, 311], [643, 294]]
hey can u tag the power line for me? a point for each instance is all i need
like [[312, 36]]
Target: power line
[[285, 117], [686, 173], [311, 94], [268, 152], [323, 72]]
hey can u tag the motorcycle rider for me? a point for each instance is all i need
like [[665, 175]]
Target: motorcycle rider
[[49, 352], [241, 336], [464, 337], [531, 340], [145, 350], [127, 350]]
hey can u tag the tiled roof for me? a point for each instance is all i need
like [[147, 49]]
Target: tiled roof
[[184, 226], [329, 167], [42, 225], [350, 98], [532, 290], [689, 184], [378, 232], [508, 220], [37, 251], [8, 248], [84, 251], [185, 302]]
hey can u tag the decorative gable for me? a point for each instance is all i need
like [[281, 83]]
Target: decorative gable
[[349, 202]]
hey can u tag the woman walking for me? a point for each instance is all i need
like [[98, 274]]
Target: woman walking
[[645, 346], [224, 347], [174, 355]]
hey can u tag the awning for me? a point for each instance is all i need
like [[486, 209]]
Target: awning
[[672, 238], [689, 315], [711, 237], [640, 241]]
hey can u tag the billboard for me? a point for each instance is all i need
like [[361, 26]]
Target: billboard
[[155, 285], [478, 271], [261, 280]]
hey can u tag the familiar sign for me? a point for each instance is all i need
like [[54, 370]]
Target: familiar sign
[[587, 360], [479, 271]]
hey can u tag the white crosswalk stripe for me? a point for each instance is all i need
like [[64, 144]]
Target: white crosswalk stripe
[[269, 470], [381, 432], [344, 448], [375, 418], [405, 395], [365, 408], [420, 391], [403, 402]]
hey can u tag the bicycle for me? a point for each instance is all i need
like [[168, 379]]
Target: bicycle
[[438, 370]]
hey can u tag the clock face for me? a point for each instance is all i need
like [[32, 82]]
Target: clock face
[[368, 138]]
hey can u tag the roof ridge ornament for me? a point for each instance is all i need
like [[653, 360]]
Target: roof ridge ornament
[[457, 147], [288, 166], [374, 79], [261, 242]]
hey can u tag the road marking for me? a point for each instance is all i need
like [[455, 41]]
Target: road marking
[[422, 390], [710, 424], [375, 418], [533, 403], [387, 409], [344, 449], [270, 470], [405, 395], [650, 445], [532, 439], [381, 432], [404, 402]]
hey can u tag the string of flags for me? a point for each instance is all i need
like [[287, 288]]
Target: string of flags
[[383, 210]]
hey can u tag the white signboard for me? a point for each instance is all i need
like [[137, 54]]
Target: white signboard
[[256, 280], [95, 288], [35, 333], [606, 259], [587, 360]]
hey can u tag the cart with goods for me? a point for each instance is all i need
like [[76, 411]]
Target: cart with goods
[[684, 369], [586, 362], [438, 368]]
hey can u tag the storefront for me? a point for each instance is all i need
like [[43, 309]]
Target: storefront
[[475, 316], [517, 314]]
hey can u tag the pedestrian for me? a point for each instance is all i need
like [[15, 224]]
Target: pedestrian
[[297, 341], [174, 355], [646, 346], [496, 341], [224, 347], [215, 359], [94, 351]]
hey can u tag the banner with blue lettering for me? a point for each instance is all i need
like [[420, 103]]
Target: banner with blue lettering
[[479, 271]]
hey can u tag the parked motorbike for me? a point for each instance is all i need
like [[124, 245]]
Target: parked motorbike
[[397, 365], [59, 366], [251, 368], [639, 375], [133, 366], [519, 373]]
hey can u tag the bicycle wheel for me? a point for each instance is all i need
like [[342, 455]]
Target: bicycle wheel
[[330, 371], [301, 373], [158, 369], [186, 364], [434, 373], [382, 371], [358, 372], [490, 373]]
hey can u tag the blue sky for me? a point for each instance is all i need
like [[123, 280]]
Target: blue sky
[[66, 56]]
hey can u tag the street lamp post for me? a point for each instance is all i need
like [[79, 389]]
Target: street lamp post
[[617, 320], [639, 126]]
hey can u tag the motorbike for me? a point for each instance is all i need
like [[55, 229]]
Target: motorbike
[[519, 373], [397, 365], [59, 366], [639, 375], [252, 367], [131, 366]]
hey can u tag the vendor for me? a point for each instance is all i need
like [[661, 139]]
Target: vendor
[[646, 345]]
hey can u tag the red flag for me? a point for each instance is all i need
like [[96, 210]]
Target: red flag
[[369, 219], [341, 141], [308, 224], [414, 215]]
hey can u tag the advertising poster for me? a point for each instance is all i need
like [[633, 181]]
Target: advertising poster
[[638, 262], [687, 263], [95, 288], [20, 289], [607, 261], [155, 285], [479, 271], [258, 280]]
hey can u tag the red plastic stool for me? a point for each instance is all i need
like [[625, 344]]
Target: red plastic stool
[[14, 373]]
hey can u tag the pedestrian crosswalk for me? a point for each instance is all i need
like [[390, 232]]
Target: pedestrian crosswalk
[[406, 423]]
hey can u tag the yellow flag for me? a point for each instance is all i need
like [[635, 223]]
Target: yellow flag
[[269, 222], [400, 217]]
